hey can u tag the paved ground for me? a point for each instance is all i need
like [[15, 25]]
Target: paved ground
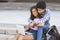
[[15, 6]]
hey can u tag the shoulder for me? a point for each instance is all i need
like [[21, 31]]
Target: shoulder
[[48, 10], [29, 20]]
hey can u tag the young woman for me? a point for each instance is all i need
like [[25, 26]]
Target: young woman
[[33, 17]]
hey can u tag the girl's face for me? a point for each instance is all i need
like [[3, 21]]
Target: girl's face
[[34, 12]]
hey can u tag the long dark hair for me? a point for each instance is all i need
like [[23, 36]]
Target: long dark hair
[[32, 16]]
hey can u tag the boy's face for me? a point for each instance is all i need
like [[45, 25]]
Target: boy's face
[[40, 11]]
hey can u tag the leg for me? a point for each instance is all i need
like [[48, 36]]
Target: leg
[[16, 37], [34, 33], [39, 33], [20, 37], [45, 29]]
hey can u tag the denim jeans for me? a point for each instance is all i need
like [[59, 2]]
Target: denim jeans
[[37, 34]]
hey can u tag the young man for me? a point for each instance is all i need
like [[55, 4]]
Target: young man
[[45, 17]]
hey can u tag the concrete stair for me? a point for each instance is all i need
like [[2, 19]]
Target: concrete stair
[[8, 31], [26, 6], [6, 37]]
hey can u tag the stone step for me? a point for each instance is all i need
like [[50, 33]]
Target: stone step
[[12, 30], [5, 30], [26, 6], [6, 37]]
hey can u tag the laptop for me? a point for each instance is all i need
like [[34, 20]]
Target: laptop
[[53, 30], [21, 30]]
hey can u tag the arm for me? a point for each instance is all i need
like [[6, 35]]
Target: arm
[[27, 27], [42, 21], [45, 18], [40, 24], [31, 24]]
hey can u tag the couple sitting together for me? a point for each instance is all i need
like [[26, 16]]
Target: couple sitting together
[[39, 20]]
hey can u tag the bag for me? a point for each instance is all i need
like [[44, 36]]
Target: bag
[[53, 32]]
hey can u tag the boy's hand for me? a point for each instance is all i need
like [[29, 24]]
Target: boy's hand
[[40, 24]]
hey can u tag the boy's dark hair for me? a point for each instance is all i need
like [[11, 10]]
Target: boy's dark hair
[[32, 16], [41, 5]]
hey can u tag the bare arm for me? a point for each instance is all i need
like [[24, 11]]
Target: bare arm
[[27, 27], [32, 24]]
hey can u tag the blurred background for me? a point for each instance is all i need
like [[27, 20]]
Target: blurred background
[[14, 12], [56, 1]]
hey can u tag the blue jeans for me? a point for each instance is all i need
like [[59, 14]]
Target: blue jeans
[[34, 33], [37, 34]]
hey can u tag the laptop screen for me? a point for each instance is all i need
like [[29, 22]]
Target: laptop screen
[[20, 29]]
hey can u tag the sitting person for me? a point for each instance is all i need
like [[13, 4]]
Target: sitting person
[[45, 18], [33, 20]]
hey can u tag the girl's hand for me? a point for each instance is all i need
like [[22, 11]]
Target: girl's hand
[[32, 24]]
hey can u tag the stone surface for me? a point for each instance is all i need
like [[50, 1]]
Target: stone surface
[[6, 37], [26, 6]]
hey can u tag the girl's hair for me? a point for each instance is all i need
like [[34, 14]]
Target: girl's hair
[[32, 16]]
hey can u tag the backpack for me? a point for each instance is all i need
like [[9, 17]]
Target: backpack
[[53, 32]]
